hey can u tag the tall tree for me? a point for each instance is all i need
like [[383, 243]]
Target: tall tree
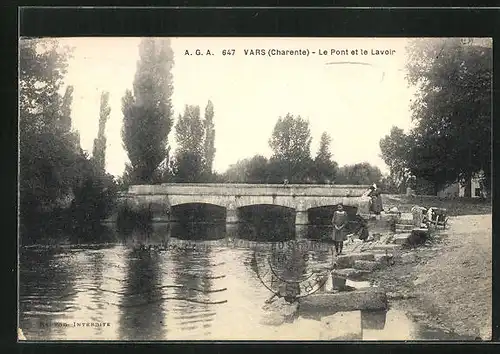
[[147, 111], [325, 167], [452, 109], [47, 152], [395, 149], [99, 151], [53, 168], [209, 127], [291, 145], [189, 156]]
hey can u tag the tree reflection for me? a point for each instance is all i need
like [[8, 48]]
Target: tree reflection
[[192, 275], [142, 315], [46, 291]]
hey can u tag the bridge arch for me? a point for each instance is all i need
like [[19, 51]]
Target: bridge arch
[[198, 212], [321, 215], [175, 200]]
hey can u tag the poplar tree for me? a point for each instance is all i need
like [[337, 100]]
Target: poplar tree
[[147, 111], [209, 126], [99, 151]]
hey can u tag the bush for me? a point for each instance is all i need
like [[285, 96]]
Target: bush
[[131, 218]]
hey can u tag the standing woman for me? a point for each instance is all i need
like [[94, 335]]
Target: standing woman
[[376, 199], [339, 222]]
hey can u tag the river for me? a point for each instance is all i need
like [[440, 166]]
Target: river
[[138, 287]]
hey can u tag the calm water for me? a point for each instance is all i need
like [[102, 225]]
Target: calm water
[[141, 289]]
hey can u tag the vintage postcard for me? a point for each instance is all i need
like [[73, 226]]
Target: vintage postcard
[[255, 189]]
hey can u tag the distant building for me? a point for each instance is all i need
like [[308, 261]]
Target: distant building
[[457, 189]]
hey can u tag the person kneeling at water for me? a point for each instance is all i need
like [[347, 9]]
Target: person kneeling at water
[[339, 222]]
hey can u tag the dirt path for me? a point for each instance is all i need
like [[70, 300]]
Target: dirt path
[[450, 279]]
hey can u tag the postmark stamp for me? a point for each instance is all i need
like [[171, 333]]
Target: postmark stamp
[[284, 271]]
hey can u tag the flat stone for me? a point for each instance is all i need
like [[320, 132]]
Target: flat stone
[[330, 303], [347, 261], [350, 273], [382, 247], [400, 239], [366, 265], [342, 326]]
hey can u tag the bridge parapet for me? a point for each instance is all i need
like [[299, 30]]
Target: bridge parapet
[[242, 189]]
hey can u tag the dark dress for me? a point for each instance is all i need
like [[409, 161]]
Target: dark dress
[[339, 219], [376, 203]]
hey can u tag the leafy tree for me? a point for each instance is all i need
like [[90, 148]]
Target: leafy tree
[[257, 170], [452, 109], [53, 167], [147, 112], [237, 173], [360, 173], [250, 170], [209, 140], [291, 145], [47, 150], [396, 149], [99, 152], [325, 167]]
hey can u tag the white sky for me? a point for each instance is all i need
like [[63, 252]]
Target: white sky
[[355, 104]]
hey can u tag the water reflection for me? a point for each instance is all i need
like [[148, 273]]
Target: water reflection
[[47, 291], [142, 297], [148, 291]]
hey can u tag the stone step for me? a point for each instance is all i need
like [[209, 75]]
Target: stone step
[[380, 247], [330, 303], [350, 273], [366, 265], [401, 239], [347, 261], [408, 227], [405, 222]]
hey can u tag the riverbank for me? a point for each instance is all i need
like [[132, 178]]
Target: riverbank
[[446, 283]]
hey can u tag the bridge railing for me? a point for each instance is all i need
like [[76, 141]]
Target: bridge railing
[[250, 189]]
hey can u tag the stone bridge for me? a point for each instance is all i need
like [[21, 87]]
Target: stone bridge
[[298, 197]]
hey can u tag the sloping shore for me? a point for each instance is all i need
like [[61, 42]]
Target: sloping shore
[[448, 282]]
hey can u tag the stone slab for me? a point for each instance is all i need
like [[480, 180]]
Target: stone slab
[[347, 261], [330, 303], [401, 239], [350, 273], [342, 326], [366, 265], [381, 247]]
